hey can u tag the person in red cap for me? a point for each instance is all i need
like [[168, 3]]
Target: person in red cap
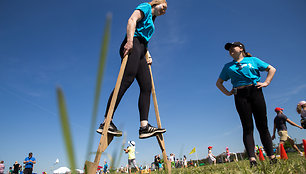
[[280, 124], [211, 157]]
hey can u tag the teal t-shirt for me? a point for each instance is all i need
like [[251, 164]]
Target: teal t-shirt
[[145, 27], [245, 72]]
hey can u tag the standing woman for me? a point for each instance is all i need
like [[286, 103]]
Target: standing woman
[[249, 100], [140, 28]]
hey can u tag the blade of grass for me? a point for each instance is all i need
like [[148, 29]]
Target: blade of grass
[[121, 150], [103, 55], [66, 128]]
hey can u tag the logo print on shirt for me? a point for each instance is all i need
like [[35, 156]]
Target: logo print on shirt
[[240, 66], [250, 66]]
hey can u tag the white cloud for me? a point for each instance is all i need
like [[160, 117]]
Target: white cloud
[[284, 97]]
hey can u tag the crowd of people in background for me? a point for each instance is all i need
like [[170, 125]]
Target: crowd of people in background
[[158, 163], [17, 168]]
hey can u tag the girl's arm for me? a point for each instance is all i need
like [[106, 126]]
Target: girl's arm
[[271, 71], [130, 30], [293, 124], [219, 84]]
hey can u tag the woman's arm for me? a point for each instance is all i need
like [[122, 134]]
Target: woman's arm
[[130, 30], [271, 71], [219, 84]]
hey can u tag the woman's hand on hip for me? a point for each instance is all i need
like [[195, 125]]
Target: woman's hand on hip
[[261, 85], [128, 48]]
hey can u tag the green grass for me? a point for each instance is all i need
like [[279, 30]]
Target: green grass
[[66, 128], [295, 164]]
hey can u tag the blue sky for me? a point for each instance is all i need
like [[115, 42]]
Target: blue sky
[[44, 44]]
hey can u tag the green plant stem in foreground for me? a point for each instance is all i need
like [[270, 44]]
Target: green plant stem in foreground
[[101, 65], [66, 128]]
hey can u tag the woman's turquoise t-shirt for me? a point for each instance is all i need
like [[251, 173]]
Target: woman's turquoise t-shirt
[[145, 27], [245, 72]]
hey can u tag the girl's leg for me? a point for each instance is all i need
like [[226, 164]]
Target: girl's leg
[[278, 148], [244, 110], [291, 141], [143, 78], [260, 116], [129, 72]]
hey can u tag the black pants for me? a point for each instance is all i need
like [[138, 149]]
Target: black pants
[[27, 171], [248, 101], [138, 68]]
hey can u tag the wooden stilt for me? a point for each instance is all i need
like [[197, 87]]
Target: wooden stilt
[[106, 139], [160, 137]]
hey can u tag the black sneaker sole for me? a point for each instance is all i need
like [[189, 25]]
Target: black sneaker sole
[[148, 135], [117, 134]]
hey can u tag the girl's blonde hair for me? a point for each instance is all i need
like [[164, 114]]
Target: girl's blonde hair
[[298, 108], [157, 2]]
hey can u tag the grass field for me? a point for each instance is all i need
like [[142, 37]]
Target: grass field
[[295, 164]]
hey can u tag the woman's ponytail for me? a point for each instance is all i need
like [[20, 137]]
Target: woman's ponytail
[[246, 54]]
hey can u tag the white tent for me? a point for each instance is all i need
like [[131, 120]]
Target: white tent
[[79, 171], [62, 170]]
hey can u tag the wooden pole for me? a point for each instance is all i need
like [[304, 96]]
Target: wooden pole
[[160, 137], [106, 139]]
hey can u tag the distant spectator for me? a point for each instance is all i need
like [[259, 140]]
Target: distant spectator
[[228, 155], [2, 167], [131, 152], [301, 109], [177, 163], [185, 161], [211, 157], [157, 161], [10, 170], [171, 159], [280, 124], [29, 162], [16, 167], [105, 167]]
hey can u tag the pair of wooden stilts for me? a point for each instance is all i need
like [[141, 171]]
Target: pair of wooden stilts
[[106, 139]]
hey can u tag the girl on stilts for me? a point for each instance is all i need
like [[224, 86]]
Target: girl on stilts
[[140, 28]]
